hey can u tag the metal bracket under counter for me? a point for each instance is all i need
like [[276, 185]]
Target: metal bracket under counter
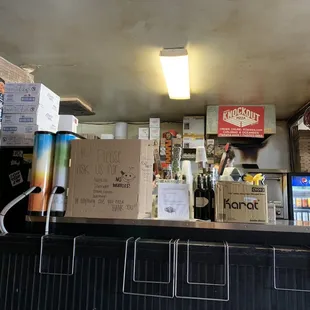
[[281, 225]]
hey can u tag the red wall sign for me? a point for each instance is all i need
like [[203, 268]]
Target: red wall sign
[[241, 121]]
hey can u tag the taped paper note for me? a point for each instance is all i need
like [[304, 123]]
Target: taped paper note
[[173, 201]]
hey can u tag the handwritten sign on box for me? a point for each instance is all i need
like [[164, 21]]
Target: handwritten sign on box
[[173, 201]]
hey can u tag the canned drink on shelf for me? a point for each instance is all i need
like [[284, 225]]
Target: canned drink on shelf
[[42, 170], [299, 217], [304, 202], [298, 202], [61, 170], [305, 217]]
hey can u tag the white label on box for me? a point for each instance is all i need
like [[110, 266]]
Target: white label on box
[[173, 201]]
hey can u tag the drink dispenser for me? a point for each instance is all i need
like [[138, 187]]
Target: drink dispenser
[[61, 171], [42, 172]]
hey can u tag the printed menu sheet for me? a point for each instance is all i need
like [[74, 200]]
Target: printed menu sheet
[[173, 201]]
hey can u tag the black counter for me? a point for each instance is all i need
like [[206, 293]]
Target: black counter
[[159, 274], [144, 264], [282, 233]]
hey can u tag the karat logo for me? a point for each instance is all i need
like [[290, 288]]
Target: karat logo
[[241, 117], [240, 205]]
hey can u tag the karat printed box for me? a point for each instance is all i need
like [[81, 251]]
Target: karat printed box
[[111, 179], [240, 202]]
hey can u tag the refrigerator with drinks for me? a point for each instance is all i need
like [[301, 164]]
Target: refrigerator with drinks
[[299, 197]]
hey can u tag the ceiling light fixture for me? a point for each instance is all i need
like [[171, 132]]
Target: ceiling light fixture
[[174, 62]]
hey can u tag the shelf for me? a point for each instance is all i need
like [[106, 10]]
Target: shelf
[[281, 226]]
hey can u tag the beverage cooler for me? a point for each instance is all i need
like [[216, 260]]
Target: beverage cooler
[[299, 197]]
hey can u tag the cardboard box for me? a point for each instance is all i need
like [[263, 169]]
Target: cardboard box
[[192, 143], [107, 136], [32, 108], [110, 179], [40, 119], [240, 202], [26, 129], [193, 131], [29, 92], [154, 122], [154, 133], [143, 133], [68, 123], [29, 98], [18, 139]]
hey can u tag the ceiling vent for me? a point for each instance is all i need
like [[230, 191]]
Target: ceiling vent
[[74, 106]]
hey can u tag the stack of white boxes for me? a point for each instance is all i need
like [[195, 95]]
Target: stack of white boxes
[[154, 128], [193, 131], [28, 108]]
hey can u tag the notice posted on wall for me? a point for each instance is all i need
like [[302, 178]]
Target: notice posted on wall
[[173, 201], [241, 121]]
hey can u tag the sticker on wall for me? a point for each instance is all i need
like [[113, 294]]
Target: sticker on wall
[[16, 178]]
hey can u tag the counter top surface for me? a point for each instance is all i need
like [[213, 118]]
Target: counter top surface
[[280, 226]]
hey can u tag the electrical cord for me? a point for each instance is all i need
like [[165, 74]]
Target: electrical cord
[[49, 207], [11, 205]]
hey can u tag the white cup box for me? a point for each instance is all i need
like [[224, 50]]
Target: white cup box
[[29, 93], [68, 123], [29, 98], [107, 136], [40, 119], [28, 129], [154, 122], [143, 133], [18, 139], [154, 133]]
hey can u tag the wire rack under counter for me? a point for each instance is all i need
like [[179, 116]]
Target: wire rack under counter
[[138, 273]]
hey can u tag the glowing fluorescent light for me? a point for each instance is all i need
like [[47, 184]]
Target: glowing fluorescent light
[[175, 67]]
